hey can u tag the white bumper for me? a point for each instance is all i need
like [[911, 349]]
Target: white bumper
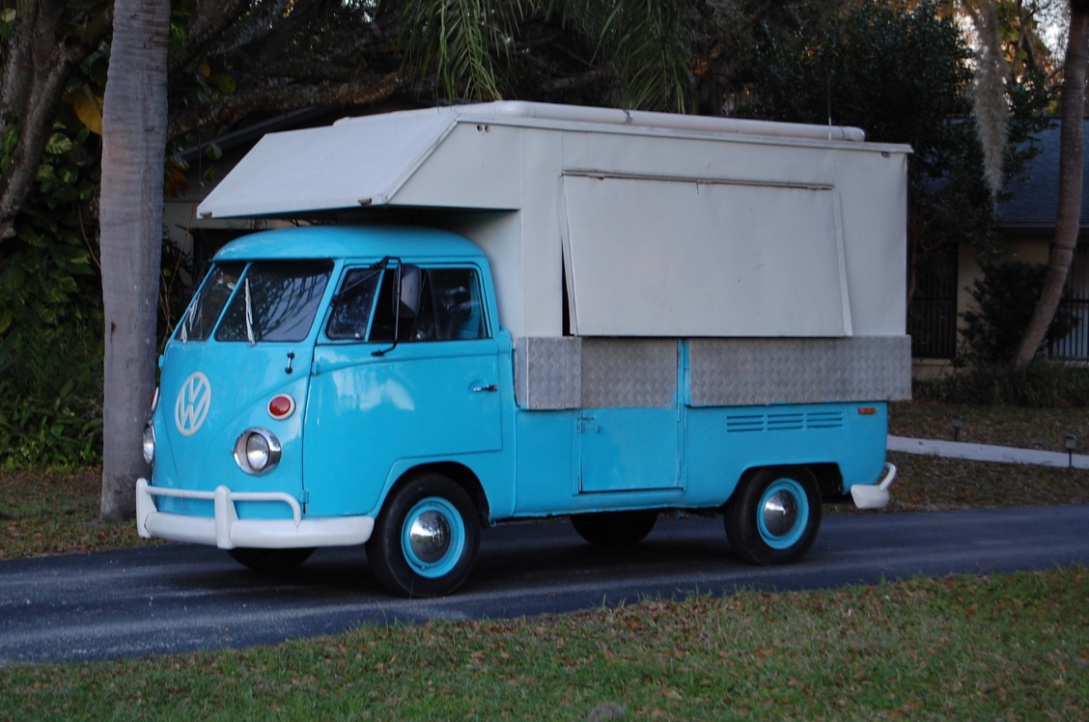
[[876, 496], [226, 531]]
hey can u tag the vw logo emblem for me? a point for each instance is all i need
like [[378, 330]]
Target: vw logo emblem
[[192, 405]]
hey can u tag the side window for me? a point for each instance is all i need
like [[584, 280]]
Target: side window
[[386, 315], [458, 311], [435, 304], [353, 304]]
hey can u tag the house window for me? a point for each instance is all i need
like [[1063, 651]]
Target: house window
[[932, 320], [1075, 303]]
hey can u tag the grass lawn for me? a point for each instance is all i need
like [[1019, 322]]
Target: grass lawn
[[999, 648], [1012, 647]]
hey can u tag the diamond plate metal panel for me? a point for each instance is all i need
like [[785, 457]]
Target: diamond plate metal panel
[[547, 373], [640, 373], [728, 372]]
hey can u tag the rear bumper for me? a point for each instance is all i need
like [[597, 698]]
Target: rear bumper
[[876, 496], [226, 531]]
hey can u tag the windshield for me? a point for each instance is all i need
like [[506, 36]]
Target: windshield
[[277, 301], [200, 320]]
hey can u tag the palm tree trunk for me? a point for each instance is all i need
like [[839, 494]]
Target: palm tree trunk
[[1068, 217], [134, 123]]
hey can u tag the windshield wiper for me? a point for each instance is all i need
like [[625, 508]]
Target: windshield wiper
[[249, 313], [186, 322]]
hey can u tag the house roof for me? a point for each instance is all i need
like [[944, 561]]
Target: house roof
[[1033, 200]]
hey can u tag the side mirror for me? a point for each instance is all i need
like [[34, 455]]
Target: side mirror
[[409, 294], [406, 301]]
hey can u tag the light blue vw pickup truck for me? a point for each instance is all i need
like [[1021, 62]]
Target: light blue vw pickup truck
[[514, 311]]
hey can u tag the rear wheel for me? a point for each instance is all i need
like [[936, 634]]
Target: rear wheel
[[774, 514], [615, 528], [425, 541], [270, 560]]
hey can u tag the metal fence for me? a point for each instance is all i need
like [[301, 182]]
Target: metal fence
[[932, 319], [1074, 346]]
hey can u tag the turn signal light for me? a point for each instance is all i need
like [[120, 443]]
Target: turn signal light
[[281, 406]]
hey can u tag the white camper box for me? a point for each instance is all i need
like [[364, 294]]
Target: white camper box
[[777, 249]]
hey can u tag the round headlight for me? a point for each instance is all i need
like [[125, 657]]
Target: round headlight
[[149, 443], [257, 451]]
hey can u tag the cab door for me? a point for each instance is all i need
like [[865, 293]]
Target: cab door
[[410, 372]]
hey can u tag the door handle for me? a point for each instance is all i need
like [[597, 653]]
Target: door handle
[[489, 388]]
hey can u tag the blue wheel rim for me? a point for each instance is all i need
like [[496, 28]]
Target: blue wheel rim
[[433, 537], [782, 514]]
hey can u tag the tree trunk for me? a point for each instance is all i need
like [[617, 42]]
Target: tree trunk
[[1068, 217], [134, 123]]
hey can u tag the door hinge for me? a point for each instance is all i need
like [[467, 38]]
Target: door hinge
[[588, 425]]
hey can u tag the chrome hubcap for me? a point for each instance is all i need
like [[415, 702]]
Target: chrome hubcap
[[430, 536], [780, 513]]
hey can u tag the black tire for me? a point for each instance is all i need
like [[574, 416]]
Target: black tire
[[615, 528], [270, 561], [425, 541], [774, 514]]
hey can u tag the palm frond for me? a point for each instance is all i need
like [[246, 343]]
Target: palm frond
[[648, 45], [462, 42]]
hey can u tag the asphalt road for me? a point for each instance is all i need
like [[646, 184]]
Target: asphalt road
[[177, 598]]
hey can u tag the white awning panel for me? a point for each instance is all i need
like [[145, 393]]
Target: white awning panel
[[345, 165], [661, 257]]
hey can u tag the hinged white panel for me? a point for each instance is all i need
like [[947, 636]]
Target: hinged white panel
[[663, 257], [344, 165]]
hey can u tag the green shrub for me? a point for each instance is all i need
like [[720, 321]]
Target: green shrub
[[1005, 297], [51, 399], [1043, 383], [51, 314]]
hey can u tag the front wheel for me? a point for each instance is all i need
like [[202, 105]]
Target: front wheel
[[425, 541], [774, 514]]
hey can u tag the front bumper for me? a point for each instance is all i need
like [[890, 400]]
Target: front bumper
[[226, 531]]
